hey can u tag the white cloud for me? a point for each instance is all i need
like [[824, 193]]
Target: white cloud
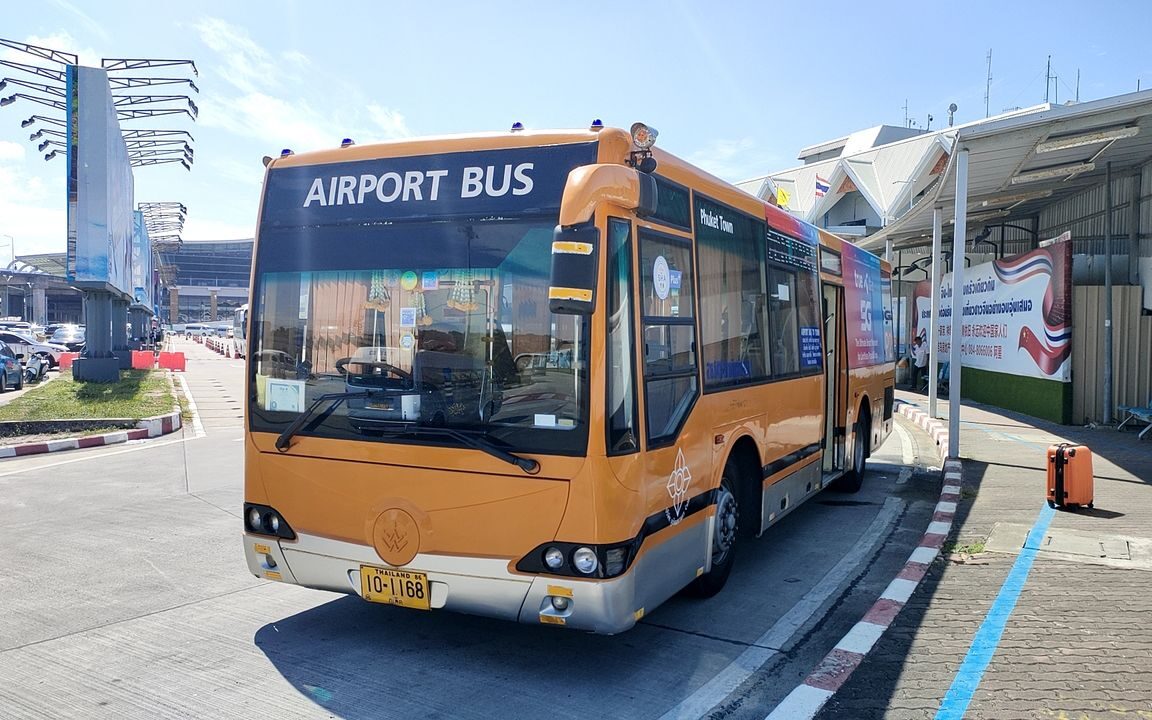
[[247, 65], [11, 152], [88, 20], [260, 112], [389, 121], [297, 58], [60, 41]]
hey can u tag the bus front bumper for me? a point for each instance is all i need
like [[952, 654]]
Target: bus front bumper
[[476, 586]]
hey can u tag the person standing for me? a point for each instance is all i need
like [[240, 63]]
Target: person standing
[[920, 357]]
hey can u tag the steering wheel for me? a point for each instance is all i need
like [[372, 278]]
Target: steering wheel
[[342, 363]]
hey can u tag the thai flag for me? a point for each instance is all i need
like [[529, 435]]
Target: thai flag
[[822, 186]]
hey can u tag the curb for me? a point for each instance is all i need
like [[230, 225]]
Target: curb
[[146, 428], [837, 666]]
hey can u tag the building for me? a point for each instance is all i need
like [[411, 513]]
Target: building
[[203, 281], [1082, 171], [36, 289]]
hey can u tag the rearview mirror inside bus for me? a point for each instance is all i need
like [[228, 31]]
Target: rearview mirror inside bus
[[572, 286]]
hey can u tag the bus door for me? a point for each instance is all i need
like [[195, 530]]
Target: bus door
[[836, 379]]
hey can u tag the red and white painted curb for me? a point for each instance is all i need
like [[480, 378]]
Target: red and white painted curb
[[146, 428], [836, 667]]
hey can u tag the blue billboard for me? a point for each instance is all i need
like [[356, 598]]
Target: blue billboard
[[100, 186], [141, 262]]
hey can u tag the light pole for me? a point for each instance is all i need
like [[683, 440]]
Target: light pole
[[11, 244]]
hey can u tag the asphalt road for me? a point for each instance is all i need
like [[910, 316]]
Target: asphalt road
[[126, 596]]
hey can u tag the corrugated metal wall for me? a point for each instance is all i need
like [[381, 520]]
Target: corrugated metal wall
[[1131, 346]]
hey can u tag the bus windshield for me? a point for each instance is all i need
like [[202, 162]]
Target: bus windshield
[[447, 322]]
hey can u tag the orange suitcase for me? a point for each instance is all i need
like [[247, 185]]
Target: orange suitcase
[[1070, 481]]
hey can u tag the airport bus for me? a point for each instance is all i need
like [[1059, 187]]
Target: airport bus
[[552, 377]]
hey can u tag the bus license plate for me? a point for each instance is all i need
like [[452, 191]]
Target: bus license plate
[[395, 587]]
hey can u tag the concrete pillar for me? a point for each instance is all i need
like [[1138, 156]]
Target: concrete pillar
[[958, 244], [119, 324], [173, 305], [213, 316], [98, 363], [39, 305]]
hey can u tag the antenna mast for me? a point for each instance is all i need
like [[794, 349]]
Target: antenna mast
[[988, 85]]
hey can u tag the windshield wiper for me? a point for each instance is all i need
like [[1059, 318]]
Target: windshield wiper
[[285, 440], [476, 442]]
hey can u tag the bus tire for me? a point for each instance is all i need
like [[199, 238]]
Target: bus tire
[[725, 532], [851, 481]]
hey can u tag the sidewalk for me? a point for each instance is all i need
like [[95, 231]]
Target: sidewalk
[[1062, 627]]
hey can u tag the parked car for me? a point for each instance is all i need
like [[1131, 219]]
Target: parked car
[[11, 372], [29, 346], [17, 326], [70, 336]]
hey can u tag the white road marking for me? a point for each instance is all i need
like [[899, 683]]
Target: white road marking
[[197, 426], [906, 445], [764, 649]]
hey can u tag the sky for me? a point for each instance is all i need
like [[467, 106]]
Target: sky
[[737, 87]]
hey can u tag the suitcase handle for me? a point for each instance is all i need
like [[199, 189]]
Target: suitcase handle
[[1060, 458]]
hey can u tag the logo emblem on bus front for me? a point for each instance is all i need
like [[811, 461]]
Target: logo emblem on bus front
[[396, 537], [678, 483]]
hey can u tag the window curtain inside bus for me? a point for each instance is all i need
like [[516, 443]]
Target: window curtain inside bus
[[732, 302]]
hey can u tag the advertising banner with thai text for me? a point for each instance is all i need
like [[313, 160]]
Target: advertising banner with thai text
[[1016, 314], [868, 303]]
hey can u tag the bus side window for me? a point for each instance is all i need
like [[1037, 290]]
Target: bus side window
[[669, 325]]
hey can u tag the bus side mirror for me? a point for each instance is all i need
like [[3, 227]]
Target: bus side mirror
[[649, 195], [572, 285]]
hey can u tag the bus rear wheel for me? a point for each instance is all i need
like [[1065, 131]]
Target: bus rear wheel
[[725, 531]]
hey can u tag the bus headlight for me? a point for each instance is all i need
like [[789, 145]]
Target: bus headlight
[[553, 558], [255, 520], [584, 560], [263, 520]]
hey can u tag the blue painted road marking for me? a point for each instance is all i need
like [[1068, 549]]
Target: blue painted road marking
[[984, 643]]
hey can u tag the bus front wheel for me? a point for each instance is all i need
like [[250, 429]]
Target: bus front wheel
[[724, 534], [852, 480]]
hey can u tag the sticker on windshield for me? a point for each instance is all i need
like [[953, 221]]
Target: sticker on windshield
[[408, 280], [407, 341], [285, 395], [407, 317], [661, 279], [430, 280]]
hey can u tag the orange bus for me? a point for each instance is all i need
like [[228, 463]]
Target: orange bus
[[551, 377]]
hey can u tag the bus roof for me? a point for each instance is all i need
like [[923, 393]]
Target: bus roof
[[615, 145]]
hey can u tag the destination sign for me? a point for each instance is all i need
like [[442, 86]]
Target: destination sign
[[482, 183]]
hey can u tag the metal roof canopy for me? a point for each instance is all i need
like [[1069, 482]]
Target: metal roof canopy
[[1022, 163], [1008, 169]]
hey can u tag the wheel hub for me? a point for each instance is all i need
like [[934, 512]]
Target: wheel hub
[[724, 536]]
